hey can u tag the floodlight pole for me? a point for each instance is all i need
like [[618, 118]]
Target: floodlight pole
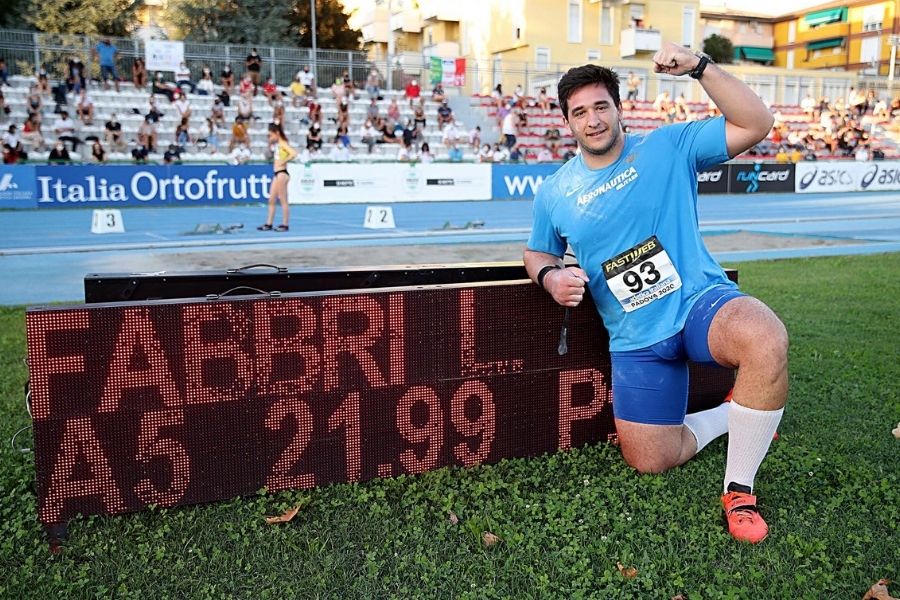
[[315, 53], [894, 41], [390, 47]]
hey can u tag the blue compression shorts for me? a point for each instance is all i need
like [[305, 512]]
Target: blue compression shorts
[[650, 385]]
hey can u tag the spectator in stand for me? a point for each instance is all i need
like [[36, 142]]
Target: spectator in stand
[[226, 79], [497, 95], [64, 128], [278, 110], [239, 134], [183, 78], [510, 128], [413, 91], [437, 94], [314, 138], [633, 83], [393, 111], [298, 93], [545, 155], [5, 110], [861, 154], [339, 153], [112, 133], [781, 156], [880, 109], [337, 89], [454, 153], [59, 154], [240, 154], [475, 138], [85, 108], [146, 134], [518, 98], [405, 153], [75, 79], [369, 135], [307, 80], [409, 133], [544, 101], [31, 133], [210, 136], [343, 112], [552, 139], [856, 101], [183, 107], [140, 153], [98, 154], [796, 155], [877, 154], [253, 64], [154, 113], [808, 105], [499, 153], [445, 114], [270, 90], [4, 72], [183, 135], [139, 73], [106, 54], [245, 107], [43, 80], [314, 114], [206, 86], [34, 103], [172, 154], [372, 109], [160, 86], [388, 133], [246, 87], [342, 136], [515, 154], [349, 90], [450, 134], [12, 146], [662, 104], [418, 116], [425, 154], [372, 84], [485, 154]]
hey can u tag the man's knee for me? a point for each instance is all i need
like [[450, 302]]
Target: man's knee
[[645, 462]]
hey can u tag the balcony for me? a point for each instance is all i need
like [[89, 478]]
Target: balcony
[[635, 40], [407, 21], [375, 32]]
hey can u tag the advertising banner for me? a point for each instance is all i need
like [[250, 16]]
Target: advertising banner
[[17, 188], [519, 182], [341, 183], [849, 176], [127, 185], [162, 55], [713, 180], [758, 178]]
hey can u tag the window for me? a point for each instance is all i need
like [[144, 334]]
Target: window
[[870, 50], [593, 55], [542, 58], [574, 21], [790, 60], [792, 32], [606, 25], [873, 17], [688, 24]]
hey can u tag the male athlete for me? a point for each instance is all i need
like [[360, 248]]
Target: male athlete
[[628, 207]]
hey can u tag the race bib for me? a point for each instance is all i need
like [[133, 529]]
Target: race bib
[[641, 275]]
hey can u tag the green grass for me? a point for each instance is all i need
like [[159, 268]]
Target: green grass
[[830, 489]]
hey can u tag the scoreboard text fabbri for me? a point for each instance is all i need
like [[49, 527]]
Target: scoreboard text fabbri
[[178, 402]]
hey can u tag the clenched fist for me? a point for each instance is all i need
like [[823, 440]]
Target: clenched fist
[[566, 286], [673, 59]]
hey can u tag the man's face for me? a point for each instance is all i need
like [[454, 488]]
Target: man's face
[[594, 120]]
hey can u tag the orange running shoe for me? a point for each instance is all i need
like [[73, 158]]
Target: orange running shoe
[[744, 521]]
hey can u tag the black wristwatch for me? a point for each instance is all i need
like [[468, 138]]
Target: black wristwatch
[[705, 59]]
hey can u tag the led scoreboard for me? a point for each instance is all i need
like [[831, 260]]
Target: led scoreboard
[[178, 401]]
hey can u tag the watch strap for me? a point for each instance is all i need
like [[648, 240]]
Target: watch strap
[[543, 273], [697, 72]]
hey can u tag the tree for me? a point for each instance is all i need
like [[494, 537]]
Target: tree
[[11, 13], [719, 48], [91, 17], [332, 28]]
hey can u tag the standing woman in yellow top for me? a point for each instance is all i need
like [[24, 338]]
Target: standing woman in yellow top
[[284, 153]]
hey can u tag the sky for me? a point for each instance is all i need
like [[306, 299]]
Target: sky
[[764, 7]]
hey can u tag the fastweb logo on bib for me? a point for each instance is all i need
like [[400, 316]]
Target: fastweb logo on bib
[[616, 183]]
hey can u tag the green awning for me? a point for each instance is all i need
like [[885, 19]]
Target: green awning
[[821, 44], [824, 17], [754, 53]]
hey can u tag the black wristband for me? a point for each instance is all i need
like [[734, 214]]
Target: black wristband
[[543, 273]]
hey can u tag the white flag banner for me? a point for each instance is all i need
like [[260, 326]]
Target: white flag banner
[[163, 55]]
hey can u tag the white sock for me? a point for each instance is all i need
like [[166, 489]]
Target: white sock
[[750, 433], [709, 424]]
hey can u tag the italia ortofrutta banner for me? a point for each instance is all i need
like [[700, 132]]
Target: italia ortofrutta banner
[[448, 71]]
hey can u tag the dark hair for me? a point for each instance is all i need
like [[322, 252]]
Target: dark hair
[[276, 128], [579, 77]]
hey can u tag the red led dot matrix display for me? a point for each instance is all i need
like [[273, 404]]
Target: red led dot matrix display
[[178, 402]]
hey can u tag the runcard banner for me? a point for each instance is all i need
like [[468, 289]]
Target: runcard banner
[[163, 55], [343, 183], [848, 176]]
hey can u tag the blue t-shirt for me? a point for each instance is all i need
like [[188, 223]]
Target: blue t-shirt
[[634, 228], [107, 54]]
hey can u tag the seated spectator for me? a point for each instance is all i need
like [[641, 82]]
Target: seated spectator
[[183, 135], [112, 133], [5, 110], [59, 153], [349, 90], [278, 110], [445, 114], [879, 109], [271, 90], [418, 116], [393, 111], [861, 154], [245, 107], [253, 64], [183, 107], [518, 97], [98, 154], [450, 134], [781, 156], [808, 105], [372, 109], [140, 153], [226, 79], [412, 91], [206, 87], [31, 133], [552, 139], [337, 89], [139, 74], [307, 80], [43, 80], [437, 94], [217, 112], [239, 134], [877, 154], [409, 133], [405, 153], [75, 78], [497, 95], [246, 88], [160, 86], [64, 128], [4, 73], [172, 154], [146, 134], [455, 154], [154, 113], [633, 83], [85, 108], [339, 153], [545, 155], [315, 112], [12, 146], [343, 112], [485, 154], [662, 105], [209, 137], [369, 135], [34, 104], [796, 155], [240, 154], [373, 82], [314, 138], [499, 153], [544, 101], [388, 133], [515, 154], [298, 93], [342, 137], [425, 154], [183, 78], [475, 138]]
